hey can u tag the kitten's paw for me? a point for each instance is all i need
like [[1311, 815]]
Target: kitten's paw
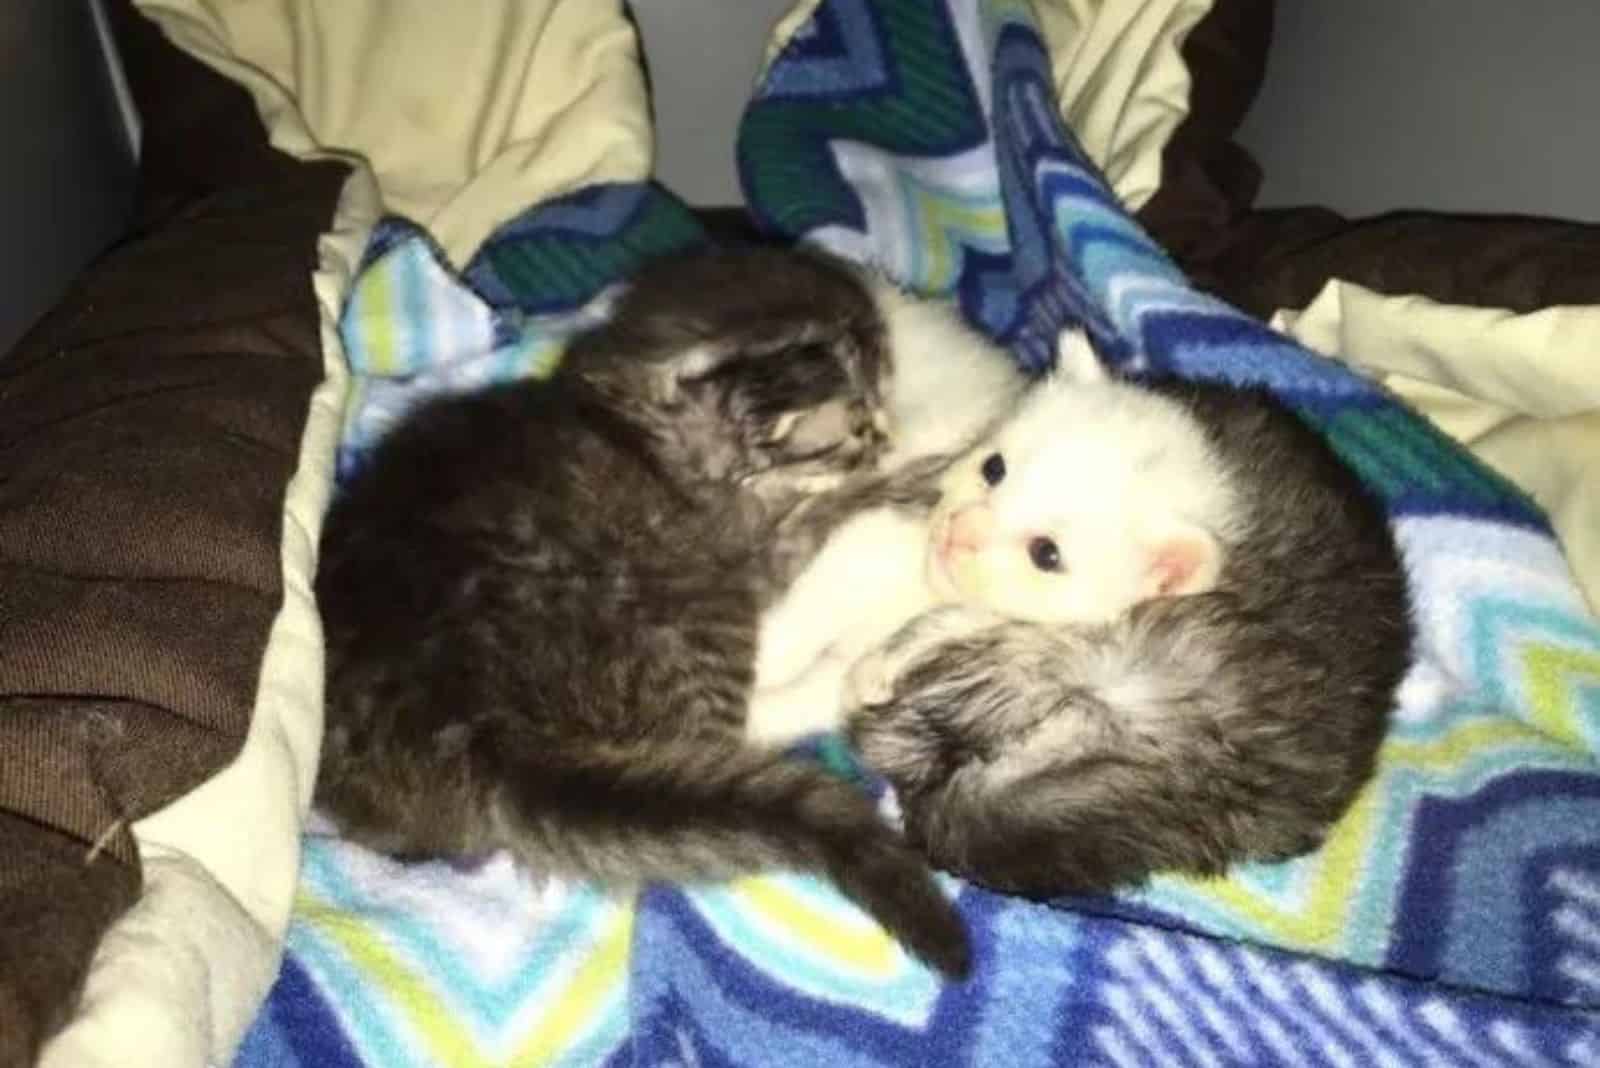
[[812, 704], [870, 682], [876, 677]]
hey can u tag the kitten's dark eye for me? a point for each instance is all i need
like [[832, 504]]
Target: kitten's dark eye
[[1044, 554], [994, 469]]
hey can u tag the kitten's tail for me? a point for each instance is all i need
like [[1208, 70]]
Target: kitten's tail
[[709, 811]]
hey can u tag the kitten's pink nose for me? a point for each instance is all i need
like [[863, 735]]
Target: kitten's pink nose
[[970, 529]]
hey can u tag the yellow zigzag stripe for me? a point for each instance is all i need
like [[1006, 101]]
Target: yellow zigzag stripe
[[377, 316], [447, 1042], [581, 999], [1321, 922], [865, 947], [435, 1024], [1553, 690], [942, 220], [937, 226]]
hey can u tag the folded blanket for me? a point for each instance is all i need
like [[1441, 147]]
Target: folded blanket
[[1521, 391], [1451, 918], [465, 148]]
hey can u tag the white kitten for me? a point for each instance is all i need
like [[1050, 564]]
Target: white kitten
[[1090, 496]]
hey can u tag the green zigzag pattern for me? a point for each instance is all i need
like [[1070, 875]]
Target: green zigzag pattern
[[564, 269], [783, 144], [1398, 453]]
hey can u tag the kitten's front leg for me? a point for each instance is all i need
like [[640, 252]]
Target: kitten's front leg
[[795, 634], [852, 578], [875, 677], [810, 704]]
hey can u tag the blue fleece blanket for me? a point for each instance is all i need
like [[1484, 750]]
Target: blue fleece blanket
[[1452, 918]]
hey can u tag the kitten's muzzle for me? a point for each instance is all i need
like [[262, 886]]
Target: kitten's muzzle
[[956, 539], [968, 530]]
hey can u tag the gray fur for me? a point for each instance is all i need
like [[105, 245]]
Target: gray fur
[[541, 600], [1195, 732]]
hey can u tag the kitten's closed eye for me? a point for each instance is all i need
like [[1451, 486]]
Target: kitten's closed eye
[[994, 469], [1044, 553]]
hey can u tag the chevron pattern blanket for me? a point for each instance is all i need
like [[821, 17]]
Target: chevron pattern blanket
[[1453, 917]]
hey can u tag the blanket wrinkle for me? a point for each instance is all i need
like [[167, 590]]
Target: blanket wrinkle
[[536, 99], [1520, 390]]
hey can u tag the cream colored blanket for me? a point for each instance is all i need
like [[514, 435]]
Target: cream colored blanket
[[465, 111], [1521, 391]]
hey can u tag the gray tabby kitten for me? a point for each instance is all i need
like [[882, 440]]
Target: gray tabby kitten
[[541, 600], [1191, 732]]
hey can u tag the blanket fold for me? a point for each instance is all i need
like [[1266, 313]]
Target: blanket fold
[[462, 152], [1520, 391]]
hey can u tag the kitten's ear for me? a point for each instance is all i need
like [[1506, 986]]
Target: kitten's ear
[[1076, 361], [1183, 559]]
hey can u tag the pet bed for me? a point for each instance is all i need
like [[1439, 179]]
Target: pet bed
[[1451, 917]]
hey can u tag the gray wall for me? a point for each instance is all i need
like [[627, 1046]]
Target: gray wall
[[67, 169], [703, 56], [1370, 105], [1462, 105]]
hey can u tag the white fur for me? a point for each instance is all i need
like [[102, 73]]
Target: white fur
[[865, 582], [949, 385], [1112, 474], [1076, 360]]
